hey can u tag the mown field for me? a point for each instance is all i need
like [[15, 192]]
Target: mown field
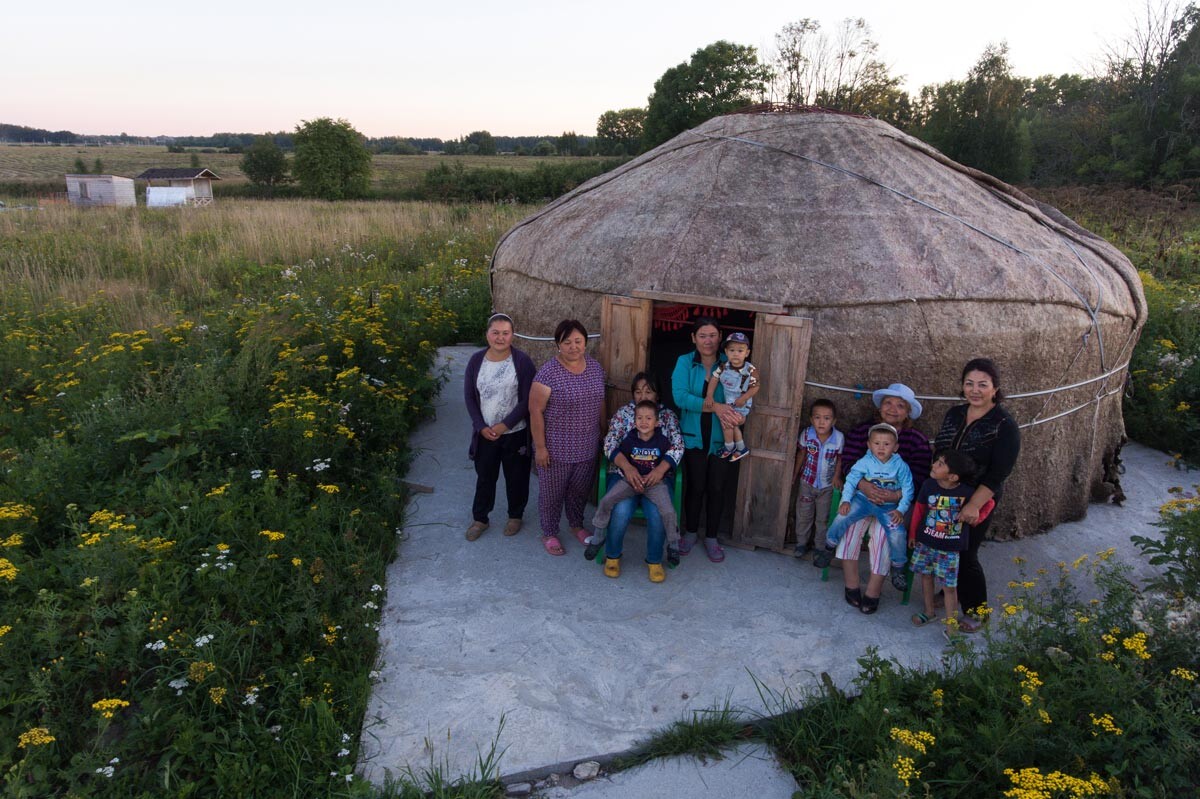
[[43, 164]]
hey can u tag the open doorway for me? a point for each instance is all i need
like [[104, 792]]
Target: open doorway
[[671, 336]]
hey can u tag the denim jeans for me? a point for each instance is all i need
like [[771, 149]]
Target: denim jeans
[[619, 522], [862, 508]]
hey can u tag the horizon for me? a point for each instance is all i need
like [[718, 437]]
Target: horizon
[[448, 72]]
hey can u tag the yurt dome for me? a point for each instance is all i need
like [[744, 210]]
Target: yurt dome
[[907, 263]]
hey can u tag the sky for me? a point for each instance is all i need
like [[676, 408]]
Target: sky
[[522, 67]]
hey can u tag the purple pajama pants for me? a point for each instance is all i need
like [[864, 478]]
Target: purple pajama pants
[[564, 484]]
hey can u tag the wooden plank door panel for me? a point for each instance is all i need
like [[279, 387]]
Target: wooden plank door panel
[[780, 351], [624, 345]]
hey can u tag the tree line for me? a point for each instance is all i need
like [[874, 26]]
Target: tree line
[[1136, 121]]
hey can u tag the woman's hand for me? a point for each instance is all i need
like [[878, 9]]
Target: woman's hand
[[632, 476], [970, 512], [541, 457], [728, 415], [490, 433], [876, 495], [656, 476]]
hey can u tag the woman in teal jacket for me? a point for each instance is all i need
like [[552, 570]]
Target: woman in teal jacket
[[707, 479]]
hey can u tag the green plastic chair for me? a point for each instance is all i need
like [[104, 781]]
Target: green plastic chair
[[602, 489]]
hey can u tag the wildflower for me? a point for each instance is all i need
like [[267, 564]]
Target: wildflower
[[1011, 610], [1105, 723], [1108, 657], [251, 696], [328, 488], [222, 547], [1057, 655], [218, 491], [1030, 783], [217, 695], [914, 740], [376, 588], [273, 535], [14, 540], [88, 582], [35, 736], [7, 570], [1106, 554], [1079, 561], [1136, 644], [1044, 716], [1182, 407], [297, 562], [16, 510], [109, 707], [1178, 671], [156, 646], [5, 630], [256, 474], [178, 685], [938, 696], [343, 752], [200, 670], [906, 769], [203, 641]]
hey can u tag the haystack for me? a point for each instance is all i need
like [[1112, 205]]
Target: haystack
[[907, 263]]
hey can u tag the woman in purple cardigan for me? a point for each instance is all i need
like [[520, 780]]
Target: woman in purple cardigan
[[496, 391]]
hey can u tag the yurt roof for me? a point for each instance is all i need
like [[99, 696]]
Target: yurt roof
[[815, 210]]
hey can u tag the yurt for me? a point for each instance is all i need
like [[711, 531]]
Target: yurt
[[855, 256]]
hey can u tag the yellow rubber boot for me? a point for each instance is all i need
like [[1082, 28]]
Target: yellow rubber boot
[[612, 567], [657, 575]]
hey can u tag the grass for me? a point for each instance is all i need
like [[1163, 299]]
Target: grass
[[46, 165], [201, 491]]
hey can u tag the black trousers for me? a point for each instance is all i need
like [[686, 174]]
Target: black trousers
[[512, 453], [708, 482], [972, 583]]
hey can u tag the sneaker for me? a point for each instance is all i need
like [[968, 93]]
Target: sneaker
[[475, 530], [823, 558], [715, 553], [687, 542], [591, 551], [612, 567], [802, 549], [738, 454], [657, 575], [899, 578], [672, 557]]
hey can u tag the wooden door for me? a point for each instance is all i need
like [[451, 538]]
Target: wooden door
[[780, 352], [624, 345]]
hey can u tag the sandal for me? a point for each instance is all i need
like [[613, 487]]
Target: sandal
[[869, 604], [581, 535], [553, 545], [920, 619], [687, 542], [715, 553], [854, 597]]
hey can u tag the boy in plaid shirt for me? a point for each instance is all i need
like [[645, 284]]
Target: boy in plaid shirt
[[818, 463]]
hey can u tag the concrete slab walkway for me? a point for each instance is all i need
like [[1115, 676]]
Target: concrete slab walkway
[[576, 664]]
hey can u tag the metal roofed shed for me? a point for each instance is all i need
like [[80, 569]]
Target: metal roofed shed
[[196, 180]]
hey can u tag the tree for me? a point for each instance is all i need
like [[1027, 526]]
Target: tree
[[264, 164], [620, 132], [842, 73], [98, 167], [80, 166], [719, 78], [544, 147], [568, 143], [480, 142], [330, 159]]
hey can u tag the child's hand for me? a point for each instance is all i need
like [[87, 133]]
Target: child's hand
[[896, 516], [839, 482], [844, 509], [739, 402]]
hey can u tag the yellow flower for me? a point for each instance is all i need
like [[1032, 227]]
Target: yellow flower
[[7, 570], [199, 671], [222, 547], [14, 540], [217, 695], [1136, 644], [938, 696], [218, 491], [16, 510], [35, 736], [297, 562], [6, 629], [918, 740], [1108, 657], [1183, 407], [88, 582], [1079, 561], [272, 535], [108, 707], [1011, 610], [328, 488], [1105, 723], [1045, 717], [1031, 783], [906, 769], [1178, 671]]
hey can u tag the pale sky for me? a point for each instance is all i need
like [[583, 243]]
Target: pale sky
[[522, 67]]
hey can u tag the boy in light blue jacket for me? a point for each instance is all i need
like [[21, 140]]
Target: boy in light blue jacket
[[883, 467]]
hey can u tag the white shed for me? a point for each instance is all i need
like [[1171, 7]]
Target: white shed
[[197, 181], [95, 190]]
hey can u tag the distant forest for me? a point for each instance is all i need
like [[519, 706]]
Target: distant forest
[[474, 143]]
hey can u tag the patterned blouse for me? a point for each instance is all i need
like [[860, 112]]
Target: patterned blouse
[[572, 415], [622, 423]]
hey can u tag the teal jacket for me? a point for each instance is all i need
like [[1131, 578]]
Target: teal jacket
[[689, 383]]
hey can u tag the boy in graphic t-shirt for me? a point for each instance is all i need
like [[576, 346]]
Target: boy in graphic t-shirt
[[645, 447]]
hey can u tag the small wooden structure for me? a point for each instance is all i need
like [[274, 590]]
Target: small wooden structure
[[89, 191], [196, 180]]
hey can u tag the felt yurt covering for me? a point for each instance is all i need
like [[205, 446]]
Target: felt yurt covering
[[908, 263]]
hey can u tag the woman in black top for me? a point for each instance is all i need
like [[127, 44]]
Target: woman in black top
[[983, 429]]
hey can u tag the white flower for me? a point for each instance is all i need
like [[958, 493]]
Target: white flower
[[376, 588], [370, 606], [256, 474], [183, 507], [251, 697], [373, 674], [345, 738], [107, 771], [179, 685], [203, 640], [157, 646], [343, 752]]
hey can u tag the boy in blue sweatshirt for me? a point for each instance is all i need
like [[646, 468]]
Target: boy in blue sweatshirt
[[883, 467]]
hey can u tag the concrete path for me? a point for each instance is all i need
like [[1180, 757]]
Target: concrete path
[[576, 664]]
